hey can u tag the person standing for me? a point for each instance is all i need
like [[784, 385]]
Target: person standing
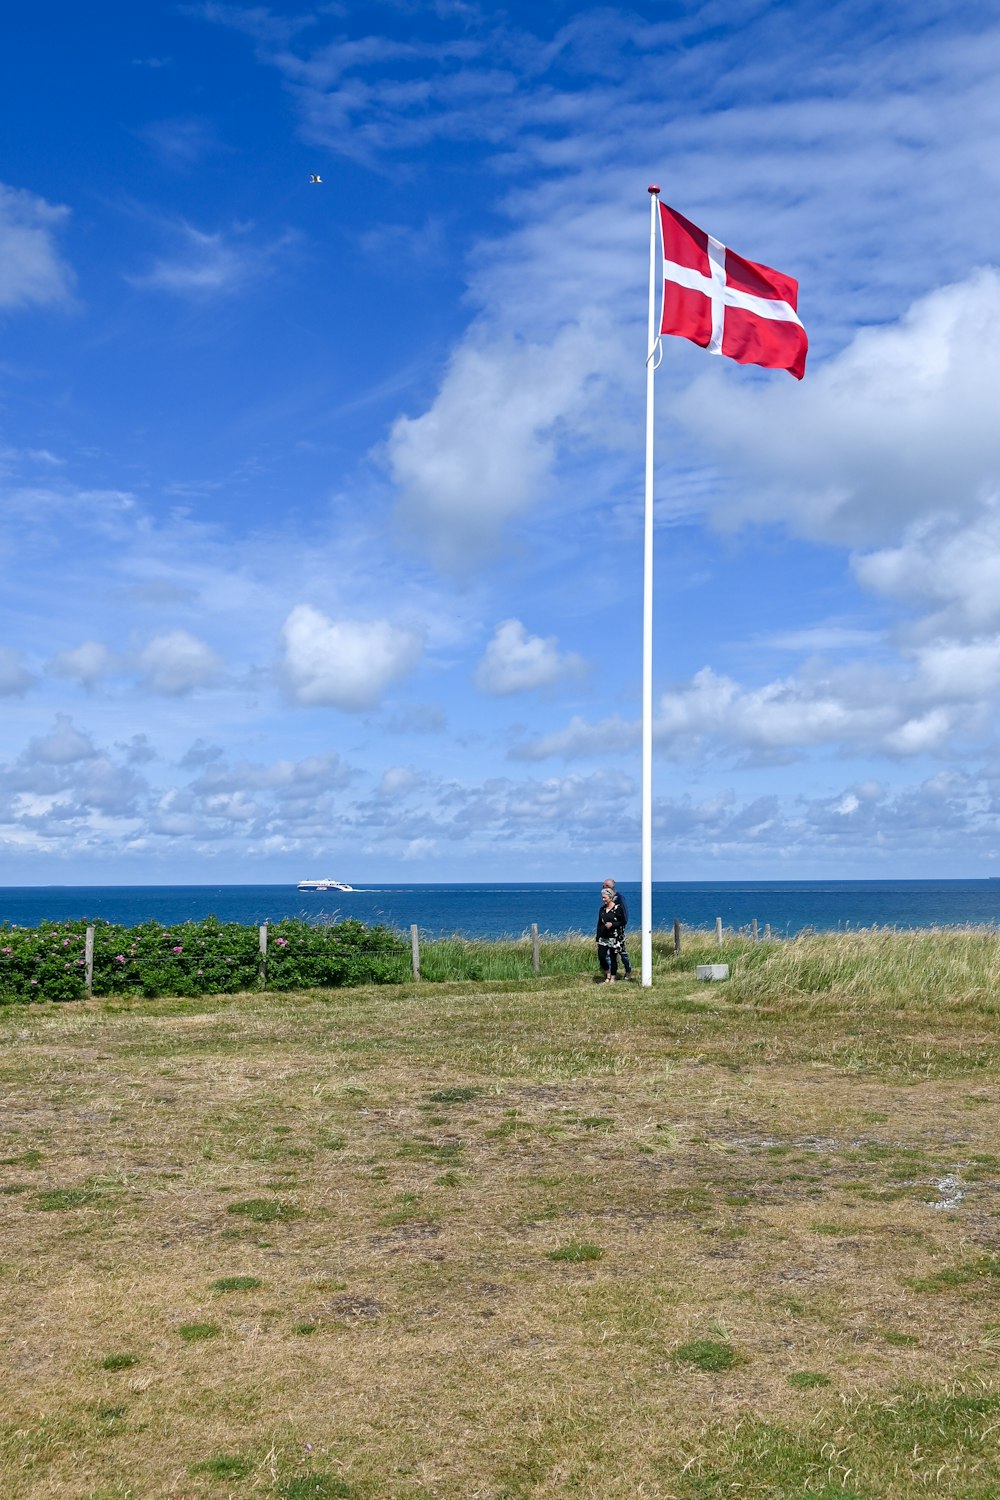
[[609, 885], [609, 940]]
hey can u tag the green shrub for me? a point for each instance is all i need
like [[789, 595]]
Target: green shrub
[[193, 958]]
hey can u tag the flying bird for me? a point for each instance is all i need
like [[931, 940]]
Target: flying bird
[[315, 177]]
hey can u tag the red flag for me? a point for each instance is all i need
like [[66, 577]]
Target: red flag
[[727, 304]]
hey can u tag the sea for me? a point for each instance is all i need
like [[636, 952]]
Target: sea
[[510, 909]]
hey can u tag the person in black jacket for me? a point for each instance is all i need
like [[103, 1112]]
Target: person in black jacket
[[609, 936], [609, 885]]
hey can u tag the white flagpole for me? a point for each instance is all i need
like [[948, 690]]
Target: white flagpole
[[647, 623]]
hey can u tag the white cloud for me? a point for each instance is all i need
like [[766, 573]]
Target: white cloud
[[31, 268], [345, 664], [485, 449], [950, 564], [15, 678], [86, 663], [397, 781], [944, 699], [897, 429], [177, 663], [62, 746], [515, 662], [925, 733], [209, 263], [960, 671], [611, 736]]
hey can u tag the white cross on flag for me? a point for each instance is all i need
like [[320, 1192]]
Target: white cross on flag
[[726, 304]]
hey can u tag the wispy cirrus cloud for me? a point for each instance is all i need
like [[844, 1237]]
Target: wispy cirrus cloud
[[181, 141], [210, 263]]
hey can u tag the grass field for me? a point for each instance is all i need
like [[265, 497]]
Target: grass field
[[499, 1240]]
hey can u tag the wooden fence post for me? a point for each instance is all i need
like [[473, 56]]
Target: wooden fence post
[[415, 949], [263, 955], [718, 932], [88, 961], [753, 930], [677, 936], [767, 932], [536, 958]]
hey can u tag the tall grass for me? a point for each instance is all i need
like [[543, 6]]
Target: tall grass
[[926, 969], [953, 967], [510, 958]]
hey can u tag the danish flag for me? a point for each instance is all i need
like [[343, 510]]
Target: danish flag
[[726, 304]]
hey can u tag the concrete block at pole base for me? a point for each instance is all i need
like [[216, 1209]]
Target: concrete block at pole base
[[712, 971]]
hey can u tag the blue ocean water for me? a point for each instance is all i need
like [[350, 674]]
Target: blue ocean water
[[499, 910]]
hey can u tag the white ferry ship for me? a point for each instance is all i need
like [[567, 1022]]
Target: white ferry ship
[[324, 885]]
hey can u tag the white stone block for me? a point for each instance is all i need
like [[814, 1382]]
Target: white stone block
[[712, 971]]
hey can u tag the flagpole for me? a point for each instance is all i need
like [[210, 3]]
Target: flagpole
[[647, 623]]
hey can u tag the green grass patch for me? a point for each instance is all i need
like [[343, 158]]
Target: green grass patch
[[265, 1210], [30, 1158], [576, 1252], [459, 1094], [196, 1333], [316, 1487], [707, 1354], [54, 1200], [119, 1361], [236, 1284], [984, 1267]]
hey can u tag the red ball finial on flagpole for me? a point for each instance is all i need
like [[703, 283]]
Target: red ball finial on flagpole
[[653, 189]]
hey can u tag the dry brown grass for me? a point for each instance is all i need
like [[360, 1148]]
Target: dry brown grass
[[766, 1179]]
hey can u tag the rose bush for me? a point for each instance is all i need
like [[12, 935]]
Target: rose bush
[[193, 958]]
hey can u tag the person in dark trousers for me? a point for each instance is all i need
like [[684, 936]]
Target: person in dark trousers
[[609, 885], [609, 939]]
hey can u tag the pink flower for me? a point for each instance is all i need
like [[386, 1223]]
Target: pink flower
[[34, 981], [178, 949], [8, 950], [282, 942], [65, 942], [119, 958]]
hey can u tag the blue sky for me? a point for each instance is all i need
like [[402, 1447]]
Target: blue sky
[[321, 536]]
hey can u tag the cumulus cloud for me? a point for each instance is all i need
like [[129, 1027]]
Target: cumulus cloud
[[177, 663], [31, 267], [940, 700], [397, 781], [946, 563], [87, 663], [484, 451], [138, 750], [15, 678], [895, 430], [345, 664], [62, 746], [515, 662], [612, 736]]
